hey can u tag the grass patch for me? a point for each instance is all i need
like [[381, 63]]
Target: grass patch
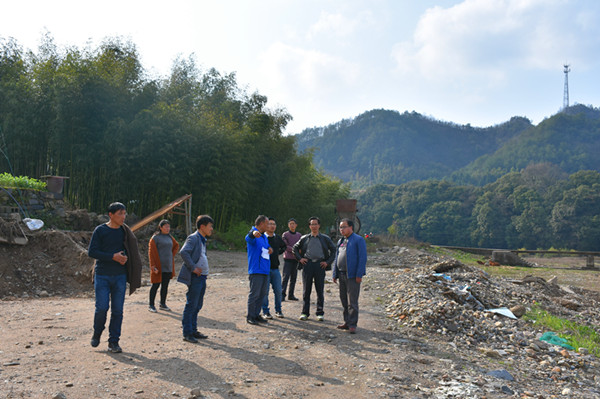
[[512, 271], [577, 335], [462, 256]]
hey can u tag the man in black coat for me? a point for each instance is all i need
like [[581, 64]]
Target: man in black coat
[[315, 253]]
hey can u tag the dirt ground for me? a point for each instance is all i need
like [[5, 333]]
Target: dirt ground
[[46, 314], [45, 347]]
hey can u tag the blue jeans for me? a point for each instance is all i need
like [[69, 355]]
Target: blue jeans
[[275, 282], [110, 291], [193, 304], [259, 287]]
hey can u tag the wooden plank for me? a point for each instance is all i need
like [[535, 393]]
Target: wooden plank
[[160, 212]]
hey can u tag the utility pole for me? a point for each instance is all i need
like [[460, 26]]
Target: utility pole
[[566, 93]]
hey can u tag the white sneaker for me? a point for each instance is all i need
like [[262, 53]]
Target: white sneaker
[[303, 316], [320, 318]]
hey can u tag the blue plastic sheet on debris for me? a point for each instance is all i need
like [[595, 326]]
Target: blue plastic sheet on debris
[[552, 338], [442, 275]]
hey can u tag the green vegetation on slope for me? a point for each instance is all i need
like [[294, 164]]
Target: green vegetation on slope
[[95, 115], [536, 208]]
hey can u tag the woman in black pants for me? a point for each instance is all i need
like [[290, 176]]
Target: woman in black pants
[[161, 253]]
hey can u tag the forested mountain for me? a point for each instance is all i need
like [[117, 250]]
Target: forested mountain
[[382, 146], [508, 186], [569, 139], [386, 147], [93, 115]]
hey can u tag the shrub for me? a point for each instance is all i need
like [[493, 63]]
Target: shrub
[[9, 181], [234, 237]]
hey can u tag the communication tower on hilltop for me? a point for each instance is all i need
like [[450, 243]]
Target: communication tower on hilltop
[[566, 94]]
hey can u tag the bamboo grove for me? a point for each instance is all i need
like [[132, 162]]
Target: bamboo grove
[[94, 115]]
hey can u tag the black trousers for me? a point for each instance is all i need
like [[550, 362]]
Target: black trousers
[[290, 273], [164, 288], [313, 272], [349, 293]]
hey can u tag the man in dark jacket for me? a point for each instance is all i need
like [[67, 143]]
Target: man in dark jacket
[[315, 252], [118, 262]]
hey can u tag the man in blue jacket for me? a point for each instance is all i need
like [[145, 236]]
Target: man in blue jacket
[[194, 273], [259, 268], [349, 267]]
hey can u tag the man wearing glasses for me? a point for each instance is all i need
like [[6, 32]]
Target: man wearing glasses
[[315, 252], [349, 267]]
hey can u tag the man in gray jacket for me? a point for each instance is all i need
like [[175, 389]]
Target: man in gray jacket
[[193, 273]]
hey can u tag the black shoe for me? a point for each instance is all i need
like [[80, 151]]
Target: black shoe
[[199, 335], [282, 299], [293, 298], [114, 347], [95, 340], [267, 316], [190, 338], [251, 321], [261, 319], [164, 307]]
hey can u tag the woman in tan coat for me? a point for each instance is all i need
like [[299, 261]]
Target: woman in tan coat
[[161, 253]]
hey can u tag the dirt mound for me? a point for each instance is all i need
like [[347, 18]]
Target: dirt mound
[[52, 263], [55, 262]]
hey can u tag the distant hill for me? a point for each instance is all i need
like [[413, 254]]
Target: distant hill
[[569, 140], [386, 147], [382, 146]]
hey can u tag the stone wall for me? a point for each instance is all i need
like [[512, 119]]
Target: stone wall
[[31, 201], [508, 258]]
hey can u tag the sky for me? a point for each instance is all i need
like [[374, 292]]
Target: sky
[[477, 62]]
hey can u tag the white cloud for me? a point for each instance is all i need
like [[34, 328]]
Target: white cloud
[[483, 41], [339, 25], [301, 72]]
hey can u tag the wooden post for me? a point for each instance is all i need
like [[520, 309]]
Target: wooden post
[[590, 262], [188, 216]]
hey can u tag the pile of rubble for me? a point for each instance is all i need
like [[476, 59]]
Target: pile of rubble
[[447, 296], [479, 316]]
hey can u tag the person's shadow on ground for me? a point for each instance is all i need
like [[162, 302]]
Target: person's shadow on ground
[[271, 364], [179, 371]]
